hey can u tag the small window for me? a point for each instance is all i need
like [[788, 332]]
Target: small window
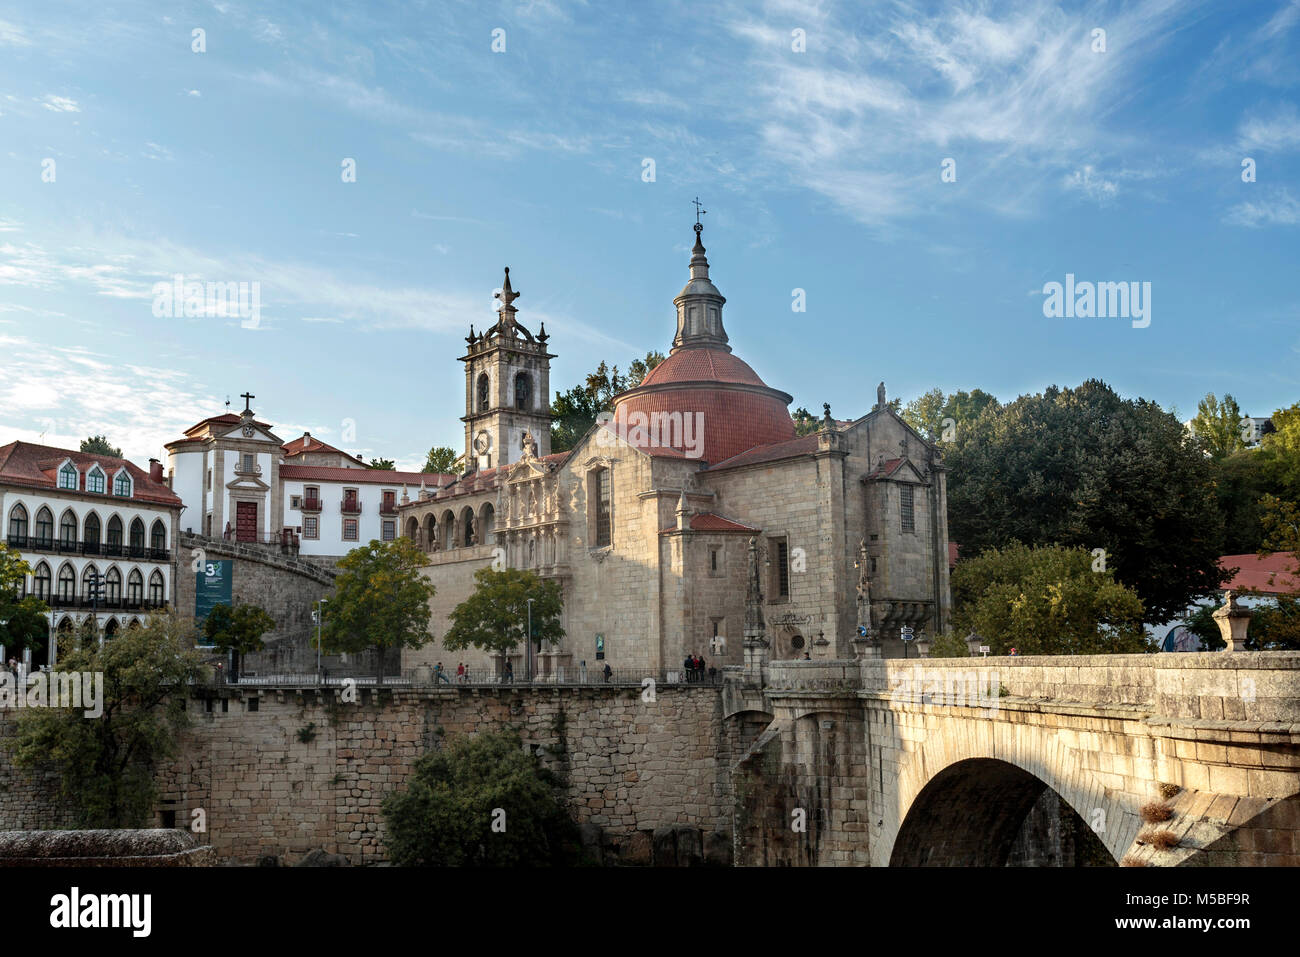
[[523, 391], [905, 507], [780, 559], [715, 562], [295, 501], [310, 527], [252, 703], [349, 530], [95, 481], [209, 485], [122, 485], [68, 476], [390, 531]]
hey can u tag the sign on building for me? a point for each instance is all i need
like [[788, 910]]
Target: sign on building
[[212, 587]]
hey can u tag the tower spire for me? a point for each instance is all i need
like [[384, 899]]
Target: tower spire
[[699, 304]]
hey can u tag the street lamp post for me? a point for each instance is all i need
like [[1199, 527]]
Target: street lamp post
[[528, 645]]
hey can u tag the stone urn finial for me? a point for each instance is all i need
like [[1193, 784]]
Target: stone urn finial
[[1233, 620]]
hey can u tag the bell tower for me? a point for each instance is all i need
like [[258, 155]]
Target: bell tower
[[507, 390]]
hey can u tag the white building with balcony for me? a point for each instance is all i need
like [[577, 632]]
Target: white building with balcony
[[76, 515]]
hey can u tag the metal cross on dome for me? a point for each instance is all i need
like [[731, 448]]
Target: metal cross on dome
[[247, 397], [698, 211]]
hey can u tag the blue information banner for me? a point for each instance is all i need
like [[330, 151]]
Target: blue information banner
[[212, 587]]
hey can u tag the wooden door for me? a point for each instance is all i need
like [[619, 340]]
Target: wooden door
[[245, 521]]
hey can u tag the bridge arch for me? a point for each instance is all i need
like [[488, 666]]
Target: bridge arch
[[970, 815], [988, 762]]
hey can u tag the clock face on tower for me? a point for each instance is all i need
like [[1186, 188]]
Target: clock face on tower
[[482, 442]]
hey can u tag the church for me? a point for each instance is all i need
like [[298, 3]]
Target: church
[[691, 517]]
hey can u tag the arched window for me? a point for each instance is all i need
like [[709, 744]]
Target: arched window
[[137, 538], [68, 476], [41, 582], [134, 589], [158, 538], [110, 628], [113, 588], [413, 529], [67, 585], [467, 526], [599, 506], [114, 536], [122, 484], [90, 535], [523, 391], [86, 575], [18, 526], [96, 481], [486, 521], [156, 590], [45, 528], [449, 528], [484, 386], [431, 533], [67, 531]]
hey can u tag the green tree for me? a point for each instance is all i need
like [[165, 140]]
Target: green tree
[[1218, 425], [106, 764], [928, 413], [98, 445], [494, 617], [805, 423], [1045, 601], [450, 814], [1084, 467], [441, 459], [238, 630], [948, 645], [381, 601], [22, 620], [386, 464], [574, 412]]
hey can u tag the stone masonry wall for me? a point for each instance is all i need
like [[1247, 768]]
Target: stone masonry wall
[[305, 770]]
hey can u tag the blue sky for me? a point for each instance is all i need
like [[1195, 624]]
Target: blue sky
[[820, 170]]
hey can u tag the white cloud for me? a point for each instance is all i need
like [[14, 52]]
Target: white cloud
[[12, 35], [60, 104], [1279, 208], [1088, 181]]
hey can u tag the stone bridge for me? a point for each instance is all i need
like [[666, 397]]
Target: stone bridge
[[1145, 760]]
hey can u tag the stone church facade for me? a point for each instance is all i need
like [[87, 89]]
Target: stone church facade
[[691, 509]]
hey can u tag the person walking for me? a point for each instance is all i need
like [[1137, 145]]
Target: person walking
[[440, 674], [509, 673], [460, 673], [688, 667], [609, 672]]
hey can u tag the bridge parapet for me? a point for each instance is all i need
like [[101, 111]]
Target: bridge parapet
[[826, 674]]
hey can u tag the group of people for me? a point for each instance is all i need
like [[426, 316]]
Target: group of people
[[694, 665]]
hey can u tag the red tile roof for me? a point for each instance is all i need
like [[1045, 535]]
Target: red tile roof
[[1255, 573], [738, 411], [226, 418], [331, 473], [36, 466], [792, 448], [710, 522], [702, 364], [307, 443], [886, 468]]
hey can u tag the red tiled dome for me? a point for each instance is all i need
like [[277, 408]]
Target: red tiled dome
[[739, 410], [702, 365]]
